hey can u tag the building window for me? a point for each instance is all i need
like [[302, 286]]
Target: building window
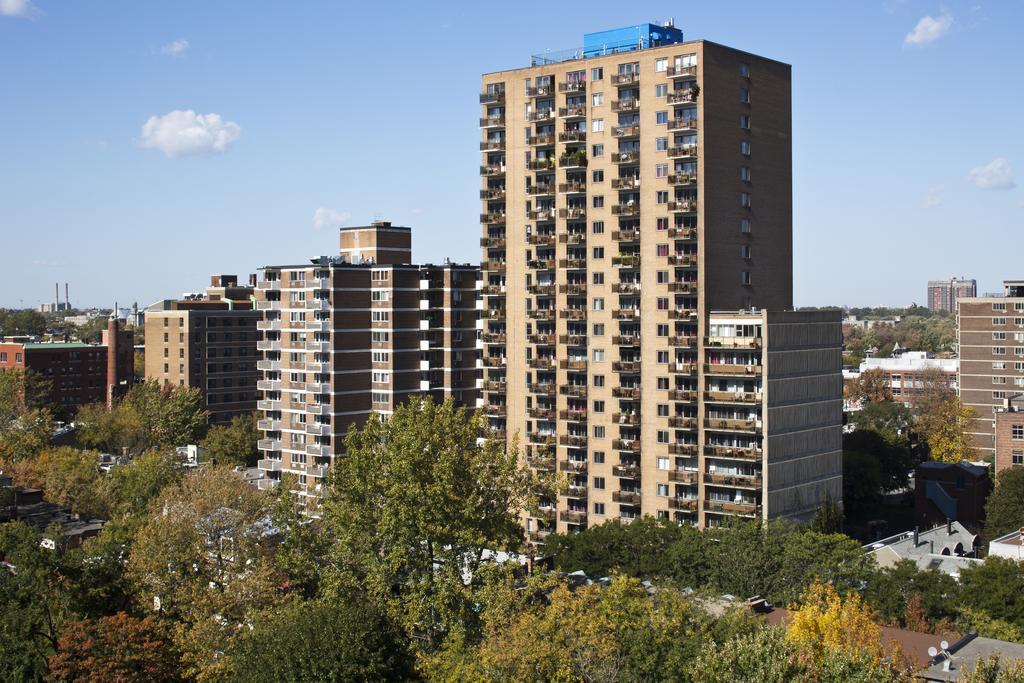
[[598, 508], [598, 329], [745, 200], [599, 201], [598, 355], [598, 380], [663, 383], [998, 336], [662, 249], [598, 431], [998, 350], [598, 306], [662, 357], [1018, 457], [597, 150], [662, 461], [745, 95], [598, 482], [598, 252], [597, 278], [598, 227], [745, 251], [598, 99], [596, 74], [598, 457], [745, 70], [1017, 432], [662, 436], [598, 406], [662, 330], [663, 490], [998, 321], [999, 307], [660, 64], [745, 148], [661, 144], [662, 303], [661, 171], [597, 126], [661, 117], [745, 121], [745, 174], [598, 176], [661, 197], [745, 277], [745, 225], [661, 90]]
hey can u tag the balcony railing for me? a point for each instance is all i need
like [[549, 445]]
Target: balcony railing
[[626, 260], [682, 179], [632, 104], [541, 264], [627, 183], [573, 415], [681, 71], [732, 507], [541, 413], [574, 390], [542, 363], [492, 243], [626, 158], [540, 190], [682, 395], [734, 342], [492, 97], [492, 146], [542, 339], [737, 480], [574, 364], [544, 389], [626, 287], [572, 136], [681, 97], [572, 188], [626, 392], [492, 170], [574, 517], [682, 368], [574, 440], [684, 206], [733, 452], [543, 239], [731, 369], [733, 397], [626, 314], [573, 289], [682, 124], [683, 476], [625, 209], [680, 503], [547, 164], [627, 497], [626, 471], [681, 151], [572, 112], [733, 424], [493, 265], [626, 418], [575, 466], [541, 115], [630, 445], [626, 340], [683, 288], [626, 79], [541, 215], [682, 422], [541, 91], [572, 86], [492, 193], [572, 263], [492, 122], [626, 131], [541, 140], [573, 339], [574, 213]]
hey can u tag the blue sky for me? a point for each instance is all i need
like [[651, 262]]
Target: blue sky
[[907, 158]]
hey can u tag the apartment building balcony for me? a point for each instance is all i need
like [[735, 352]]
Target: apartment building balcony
[[626, 471], [627, 497], [268, 464], [541, 91], [492, 218], [677, 368], [268, 425], [625, 209], [541, 339], [492, 170], [733, 397], [547, 164], [268, 285], [318, 450], [317, 326], [542, 240], [629, 105], [626, 366], [541, 290], [573, 263], [569, 87], [628, 445], [574, 390], [493, 361], [626, 418], [749, 481], [542, 363], [546, 140], [493, 265], [541, 389], [626, 340], [682, 151], [542, 439], [682, 124], [733, 452], [626, 157], [541, 462], [491, 193], [268, 305], [492, 146], [492, 97], [493, 290], [496, 433], [573, 339], [572, 136], [495, 409], [541, 314], [492, 243], [684, 206], [317, 471], [682, 476], [548, 513], [575, 187], [625, 79], [626, 392], [573, 289], [541, 115], [681, 97], [682, 314], [626, 314], [752, 426], [541, 413], [626, 131], [681, 71], [745, 509], [626, 260], [683, 233], [682, 179], [268, 365], [682, 395], [492, 338], [683, 449], [319, 346], [541, 215], [318, 304], [540, 535], [573, 364], [492, 122], [265, 345], [269, 385], [731, 369], [268, 325], [541, 189], [318, 429], [268, 444], [317, 408], [541, 264], [573, 415], [627, 183], [626, 287], [682, 422], [494, 386], [316, 366], [573, 440], [573, 160], [733, 342], [681, 503], [268, 405], [573, 516], [574, 466], [683, 287], [573, 213], [572, 112], [578, 314]]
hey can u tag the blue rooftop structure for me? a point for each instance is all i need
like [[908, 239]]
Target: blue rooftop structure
[[627, 39]]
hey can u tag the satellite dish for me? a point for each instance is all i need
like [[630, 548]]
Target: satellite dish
[[932, 651], [944, 645]]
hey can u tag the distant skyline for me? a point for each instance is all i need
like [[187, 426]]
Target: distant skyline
[[144, 147]]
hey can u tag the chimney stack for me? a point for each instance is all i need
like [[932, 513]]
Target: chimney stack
[[56, 296], [67, 298], [916, 536]]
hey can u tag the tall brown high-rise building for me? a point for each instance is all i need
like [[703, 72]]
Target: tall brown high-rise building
[[637, 225], [358, 333], [943, 294], [207, 341], [990, 336]]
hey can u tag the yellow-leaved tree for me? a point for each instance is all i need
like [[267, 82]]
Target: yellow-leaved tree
[[824, 623]]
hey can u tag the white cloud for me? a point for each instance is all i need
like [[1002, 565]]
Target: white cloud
[[325, 217], [928, 30], [175, 48], [185, 133], [995, 175], [19, 8], [933, 198]]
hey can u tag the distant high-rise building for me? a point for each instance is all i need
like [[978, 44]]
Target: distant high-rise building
[[990, 335], [637, 271], [353, 334], [943, 294], [207, 341]]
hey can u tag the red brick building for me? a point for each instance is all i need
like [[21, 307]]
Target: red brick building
[[78, 373], [951, 491], [1009, 434]]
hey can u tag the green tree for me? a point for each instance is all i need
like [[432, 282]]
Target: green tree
[[894, 458], [205, 552], [994, 588], [862, 484], [25, 428], [891, 589], [22, 322], [889, 419], [763, 656], [68, 477], [322, 641], [872, 386], [1004, 509], [114, 648], [414, 506], [635, 550], [128, 489], [233, 443], [809, 556], [945, 430]]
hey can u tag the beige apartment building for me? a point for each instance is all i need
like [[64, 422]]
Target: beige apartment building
[[207, 341], [990, 336], [353, 334], [637, 225]]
